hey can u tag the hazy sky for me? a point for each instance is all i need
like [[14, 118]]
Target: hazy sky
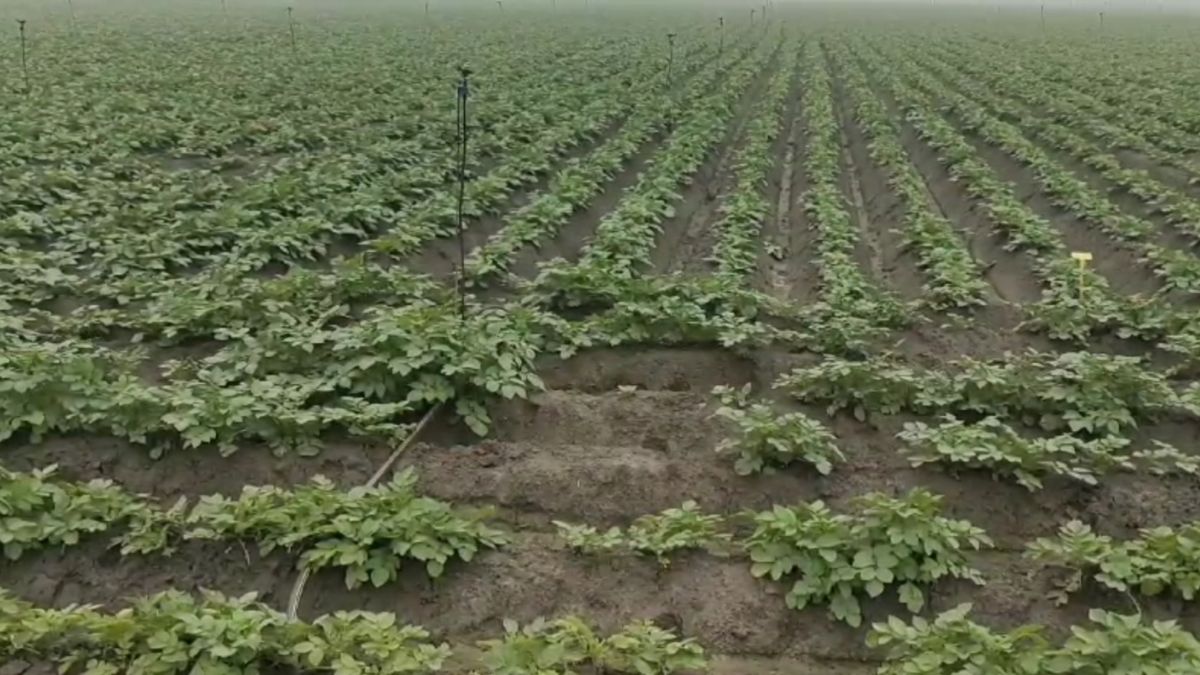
[[1148, 6]]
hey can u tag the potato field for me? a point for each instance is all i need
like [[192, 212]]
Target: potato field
[[779, 339]]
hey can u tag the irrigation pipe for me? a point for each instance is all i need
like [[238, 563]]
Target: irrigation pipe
[[302, 580]]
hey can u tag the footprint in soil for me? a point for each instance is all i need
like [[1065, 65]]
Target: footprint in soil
[[487, 454], [669, 621], [656, 443]]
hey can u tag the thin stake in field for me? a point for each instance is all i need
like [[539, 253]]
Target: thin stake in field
[[721, 46], [670, 66], [670, 55], [292, 28], [1083, 258], [24, 55], [463, 94]]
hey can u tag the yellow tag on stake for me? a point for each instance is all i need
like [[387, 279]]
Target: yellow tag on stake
[[1083, 258]]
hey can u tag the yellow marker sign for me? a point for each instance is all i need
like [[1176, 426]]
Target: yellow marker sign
[[1083, 258]]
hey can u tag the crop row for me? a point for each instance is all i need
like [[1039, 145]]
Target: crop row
[[577, 183], [171, 633], [1177, 269], [954, 276], [1076, 303], [164, 221], [903, 544], [167, 222], [1081, 392], [852, 309], [1164, 114], [370, 532], [745, 208], [1072, 116]]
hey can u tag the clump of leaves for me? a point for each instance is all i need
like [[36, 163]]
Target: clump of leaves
[[953, 644], [676, 529], [1161, 559], [686, 527], [993, 445], [562, 646], [1114, 643], [1079, 392], [541, 648], [882, 384], [903, 543], [766, 440], [423, 354], [369, 531], [38, 511], [617, 309], [172, 633], [367, 642], [1187, 346], [646, 649], [1130, 643], [588, 540]]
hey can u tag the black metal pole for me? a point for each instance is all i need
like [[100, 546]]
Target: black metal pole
[[24, 56], [464, 93], [752, 16], [721, 47], [292, 28], [670, 56]]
